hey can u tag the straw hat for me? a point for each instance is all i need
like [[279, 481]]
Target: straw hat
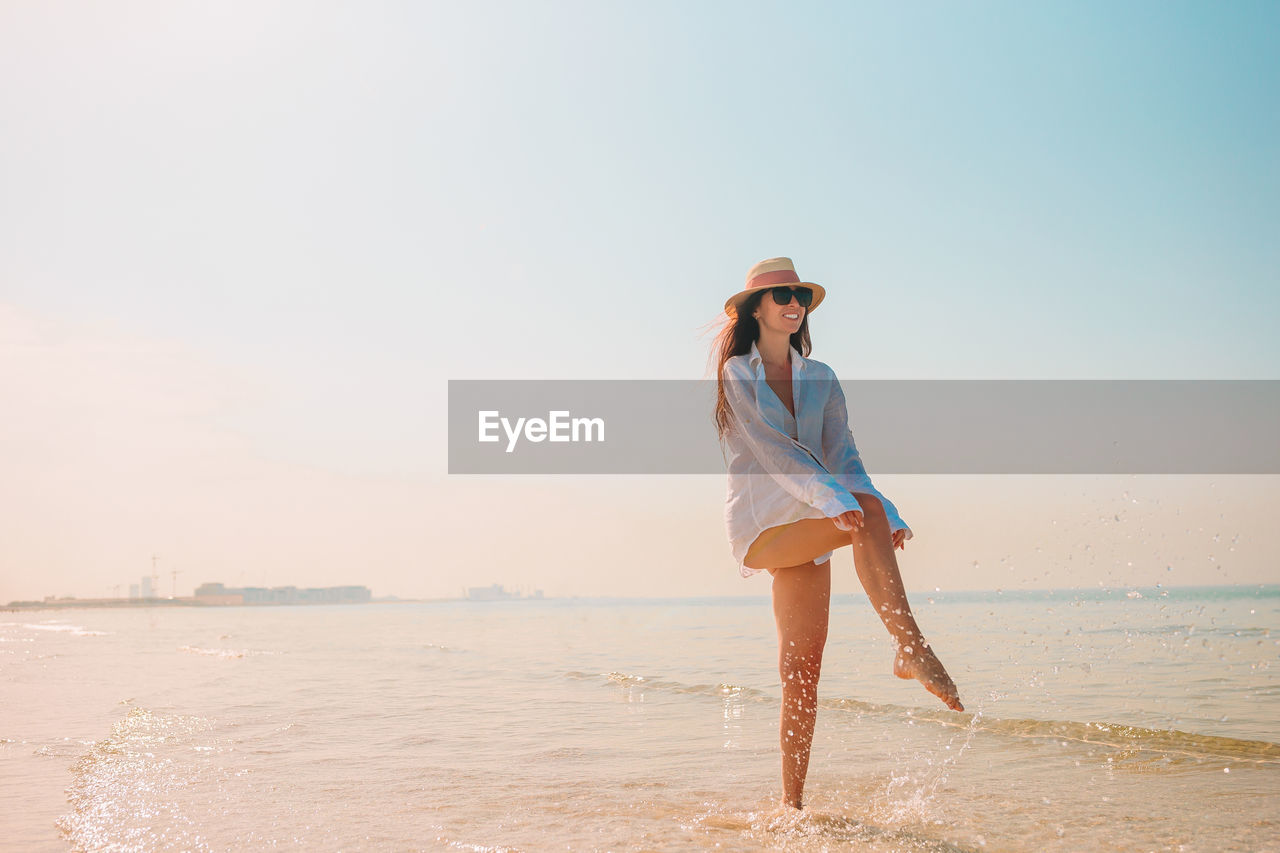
[[768, 274]]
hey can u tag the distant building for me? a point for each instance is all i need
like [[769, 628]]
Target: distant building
[[133, 590], [216, 593], [146, 587], [496, 592]]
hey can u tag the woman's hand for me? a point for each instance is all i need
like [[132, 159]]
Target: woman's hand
[[853, 518], [849, 520]]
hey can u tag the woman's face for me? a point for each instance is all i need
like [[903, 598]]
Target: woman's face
[[785, 319]]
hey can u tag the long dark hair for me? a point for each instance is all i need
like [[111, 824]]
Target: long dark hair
[[735, 338]]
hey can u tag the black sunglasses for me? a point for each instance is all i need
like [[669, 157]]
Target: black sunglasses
[[782, 295]]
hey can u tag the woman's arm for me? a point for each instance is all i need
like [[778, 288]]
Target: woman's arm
[[788, 462], [838, 446], [841, 453]]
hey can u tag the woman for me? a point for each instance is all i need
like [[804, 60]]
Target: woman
[[797, 491]]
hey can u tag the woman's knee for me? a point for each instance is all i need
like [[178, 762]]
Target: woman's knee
[[801, 607], [801, 666], [871, 506], [805, 652], [804, 647]]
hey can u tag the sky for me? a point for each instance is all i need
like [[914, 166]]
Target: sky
[[245, 246]]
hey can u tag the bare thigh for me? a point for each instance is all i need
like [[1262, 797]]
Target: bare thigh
[[801, 541], [801, 608]]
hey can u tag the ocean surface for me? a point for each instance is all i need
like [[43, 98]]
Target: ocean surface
[[1143, 719]]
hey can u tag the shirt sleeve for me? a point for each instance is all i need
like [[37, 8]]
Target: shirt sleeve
[[781, 456], [838, 446], [842, 454]]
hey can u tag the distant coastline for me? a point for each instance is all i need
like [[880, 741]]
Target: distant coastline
[[940, 597], [69, 603], [218, 595]]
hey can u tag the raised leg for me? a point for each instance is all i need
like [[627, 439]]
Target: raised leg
[[801, 607], [877, 569]]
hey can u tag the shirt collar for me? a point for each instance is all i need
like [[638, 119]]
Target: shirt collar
[[797, 360]]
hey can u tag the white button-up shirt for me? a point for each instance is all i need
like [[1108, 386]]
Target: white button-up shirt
[[776, 474]]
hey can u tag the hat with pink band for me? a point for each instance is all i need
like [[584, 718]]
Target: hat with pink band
[[768, 274]]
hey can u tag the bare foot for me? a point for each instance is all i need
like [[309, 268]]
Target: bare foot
[[923, 665], [783, 817]]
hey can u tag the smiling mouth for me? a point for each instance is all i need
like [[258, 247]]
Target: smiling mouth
[[792, 316]]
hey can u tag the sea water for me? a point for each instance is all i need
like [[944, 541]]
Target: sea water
[[1143, 719]]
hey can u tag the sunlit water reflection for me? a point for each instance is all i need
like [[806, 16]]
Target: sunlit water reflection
[[1094, 721]]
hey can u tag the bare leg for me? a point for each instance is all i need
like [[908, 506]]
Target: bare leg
[[877, 568], [801, 607], [792, 545]]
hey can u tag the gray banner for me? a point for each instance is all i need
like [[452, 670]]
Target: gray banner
[[575, 426]]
